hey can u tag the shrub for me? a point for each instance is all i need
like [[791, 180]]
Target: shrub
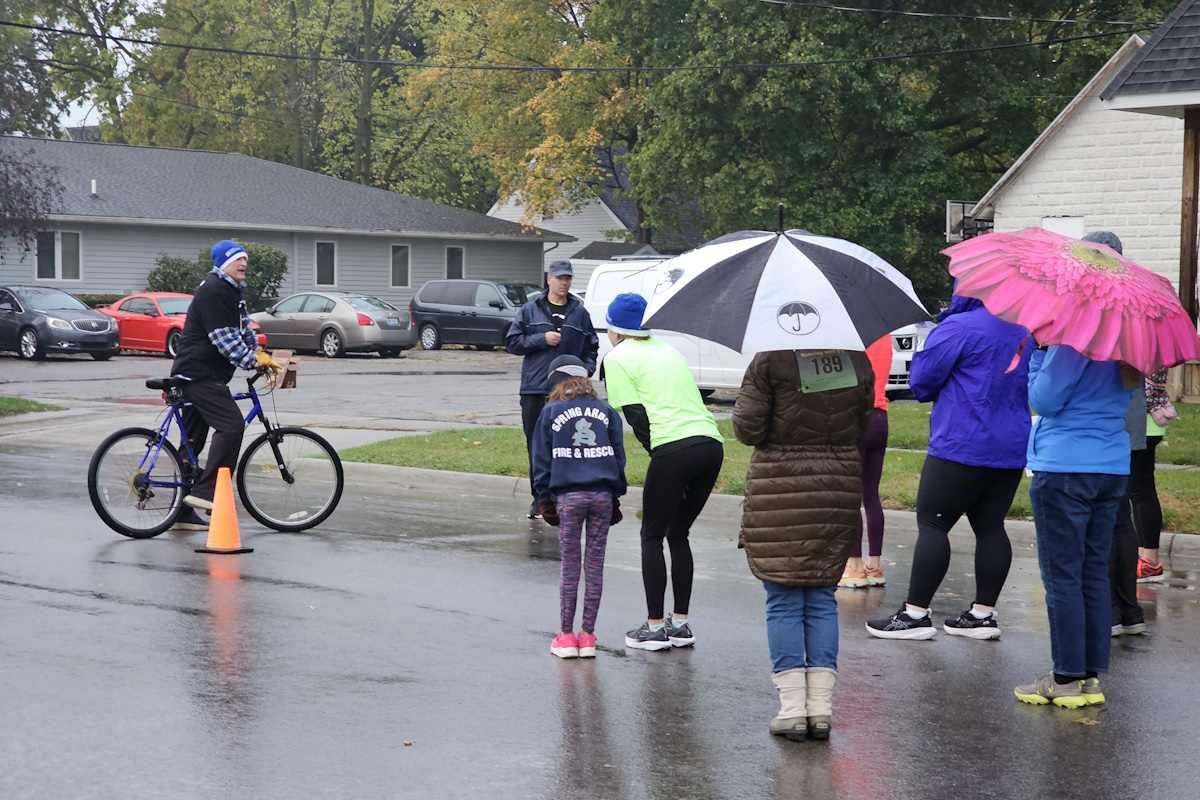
[[94, 300], [174, 274], [266, 267]]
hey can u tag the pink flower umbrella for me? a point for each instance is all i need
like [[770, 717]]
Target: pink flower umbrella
[[1080, 294]]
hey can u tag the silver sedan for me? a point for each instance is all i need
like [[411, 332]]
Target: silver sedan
[[336, 323]]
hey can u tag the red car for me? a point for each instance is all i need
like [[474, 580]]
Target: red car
[[153, 321]]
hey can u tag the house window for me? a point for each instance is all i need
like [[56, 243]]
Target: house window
[[454, 262], [400, 265], [326, 264], [1066, 226], [58, 256]]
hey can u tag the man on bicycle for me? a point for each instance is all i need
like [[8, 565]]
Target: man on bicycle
[[217, 339]]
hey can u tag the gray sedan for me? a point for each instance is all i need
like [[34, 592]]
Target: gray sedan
[[336, 323], [36, 320]]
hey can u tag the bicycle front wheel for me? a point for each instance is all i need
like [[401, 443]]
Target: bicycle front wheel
[[137, 493], [290, 479]]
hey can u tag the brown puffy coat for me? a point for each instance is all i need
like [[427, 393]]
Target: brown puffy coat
[[803, 490]]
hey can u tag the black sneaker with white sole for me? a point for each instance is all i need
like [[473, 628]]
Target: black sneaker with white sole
[[535, 512], [680, 635], [189, 520], [972, 627], [901, 626], [645, 639]]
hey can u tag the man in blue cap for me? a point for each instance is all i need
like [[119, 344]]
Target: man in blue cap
[[216, 340], [553, 324]]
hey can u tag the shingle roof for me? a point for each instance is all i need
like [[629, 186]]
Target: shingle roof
[[616, 179], [603, 251], [197, 186], [1170, 61]]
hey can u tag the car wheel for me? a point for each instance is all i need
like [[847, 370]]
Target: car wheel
[[102, 356], [430, 338], [331, 344], [173, 338], [30, 347]]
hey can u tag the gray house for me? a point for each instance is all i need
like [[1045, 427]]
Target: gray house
[[124, 205]]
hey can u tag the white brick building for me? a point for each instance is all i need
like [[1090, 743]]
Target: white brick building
[[1095, 168]]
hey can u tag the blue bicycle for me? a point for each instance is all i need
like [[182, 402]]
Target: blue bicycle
[[288, 478]]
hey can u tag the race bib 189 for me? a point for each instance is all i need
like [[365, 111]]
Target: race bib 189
[[825, 370]]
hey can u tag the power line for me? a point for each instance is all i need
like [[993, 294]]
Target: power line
[[559, 70], [936, 15]]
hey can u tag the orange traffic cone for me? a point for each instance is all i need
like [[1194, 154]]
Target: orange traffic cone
[[223, 536]]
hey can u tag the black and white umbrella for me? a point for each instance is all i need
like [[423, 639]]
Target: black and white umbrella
[[759, 290]]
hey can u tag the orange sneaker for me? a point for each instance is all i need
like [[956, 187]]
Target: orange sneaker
[[1149, 573], [853, 578], [874, 575]]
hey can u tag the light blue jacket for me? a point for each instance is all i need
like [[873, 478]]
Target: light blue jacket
[[1081, 407]]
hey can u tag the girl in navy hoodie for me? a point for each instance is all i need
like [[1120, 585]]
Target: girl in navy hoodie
[[578, 474]]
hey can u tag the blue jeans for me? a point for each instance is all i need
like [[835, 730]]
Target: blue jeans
[[802, 626], [1074, 513]]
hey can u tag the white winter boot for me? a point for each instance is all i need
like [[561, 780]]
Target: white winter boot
[[819, 703], [790, 721]]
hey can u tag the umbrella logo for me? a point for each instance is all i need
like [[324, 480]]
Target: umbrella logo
[[798, 318], [669, 279]]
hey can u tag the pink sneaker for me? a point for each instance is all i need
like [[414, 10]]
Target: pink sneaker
[[566, 646], [587, 645]]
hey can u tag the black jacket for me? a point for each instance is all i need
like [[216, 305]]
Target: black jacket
[[217, 304]]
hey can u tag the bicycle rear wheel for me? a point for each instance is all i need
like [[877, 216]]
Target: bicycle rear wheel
[[120, 483], [315, 484]]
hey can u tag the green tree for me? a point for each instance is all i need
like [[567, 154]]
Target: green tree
[[866, 150]]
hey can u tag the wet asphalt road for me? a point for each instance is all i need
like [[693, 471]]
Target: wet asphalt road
[[400, 650]]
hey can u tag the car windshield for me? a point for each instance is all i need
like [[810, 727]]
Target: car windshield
[[368, 304], [520, 293], [174, 305], [50, 300]]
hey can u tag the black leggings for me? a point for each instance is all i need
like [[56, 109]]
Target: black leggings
[[1139, 523], [677, 487], [947, 491], [1143, 495]]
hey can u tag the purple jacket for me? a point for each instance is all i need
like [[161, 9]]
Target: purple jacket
[[980, 412]]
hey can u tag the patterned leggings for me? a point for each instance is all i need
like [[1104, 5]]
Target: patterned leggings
[[574, 509]]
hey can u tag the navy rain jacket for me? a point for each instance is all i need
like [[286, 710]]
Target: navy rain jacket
[[527, 337], [578, 447]]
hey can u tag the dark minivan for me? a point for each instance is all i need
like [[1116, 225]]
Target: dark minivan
[[467, 311]]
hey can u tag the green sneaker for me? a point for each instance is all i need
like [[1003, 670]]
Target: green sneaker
[[1090, 689], [1044, 690]]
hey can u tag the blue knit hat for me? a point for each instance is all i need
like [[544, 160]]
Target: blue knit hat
[[225, 252], [625, 314]]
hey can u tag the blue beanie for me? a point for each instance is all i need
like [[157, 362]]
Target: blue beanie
[[625, 314], [225, 252]]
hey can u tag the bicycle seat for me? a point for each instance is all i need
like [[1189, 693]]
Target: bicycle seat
[[164, 384]]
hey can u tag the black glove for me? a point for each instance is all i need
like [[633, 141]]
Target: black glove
[[617, 516], [549, 512]]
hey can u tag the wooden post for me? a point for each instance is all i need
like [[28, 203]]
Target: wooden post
[[1188, 228]]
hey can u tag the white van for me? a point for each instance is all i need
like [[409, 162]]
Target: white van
[[714, 366]]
